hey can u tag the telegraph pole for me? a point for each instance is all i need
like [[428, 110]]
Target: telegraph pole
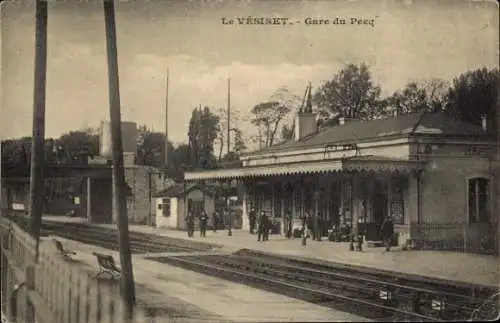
[[119, 194], [228, 201], [166, 125], [228, 116], [38, 135], [498, 177]]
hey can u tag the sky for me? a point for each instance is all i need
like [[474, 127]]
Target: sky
[[407, 40]]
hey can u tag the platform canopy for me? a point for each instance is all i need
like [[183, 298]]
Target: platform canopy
[[364, 163]]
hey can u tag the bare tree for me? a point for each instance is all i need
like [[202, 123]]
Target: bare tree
[[267, 116], [236, 133], [285, 97]]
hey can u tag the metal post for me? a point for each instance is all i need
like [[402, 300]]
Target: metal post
[[149, 221], [38, 137], [165, 164], [351, 207], [316, 219], [119, 197], [229, 213], [186, 204], [302, 212], [89, 199], [228, 116]]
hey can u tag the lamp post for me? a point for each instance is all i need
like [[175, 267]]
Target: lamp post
[[229, 213], [316, 220]]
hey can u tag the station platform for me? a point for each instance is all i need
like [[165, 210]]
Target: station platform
[[179, 295], [461, 267], [449, 265]]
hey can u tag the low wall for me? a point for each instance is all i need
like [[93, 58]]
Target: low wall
[[479, 237]]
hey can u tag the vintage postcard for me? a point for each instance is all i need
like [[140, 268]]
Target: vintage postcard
[[249, 161]]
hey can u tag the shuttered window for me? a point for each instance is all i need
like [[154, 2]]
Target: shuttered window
[[478, 195]]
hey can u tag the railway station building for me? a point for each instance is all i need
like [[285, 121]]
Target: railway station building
[[432, 174], [173, 203]]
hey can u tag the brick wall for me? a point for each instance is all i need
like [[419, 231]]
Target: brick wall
[[101, 200], [140, 206]]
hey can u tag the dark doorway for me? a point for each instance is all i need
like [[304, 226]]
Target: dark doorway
[[379, 210], [379, 202]]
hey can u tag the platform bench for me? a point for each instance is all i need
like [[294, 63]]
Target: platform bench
[[107, 266], [65, 254]]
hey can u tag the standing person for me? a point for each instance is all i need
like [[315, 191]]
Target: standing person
[[267, 227], [319, 227], [203, 223], [190, 223], [252, 217], [262, 226], [215, 221], [305, 230], [229, 212], [387, 230], [311, 225], [288, 224]]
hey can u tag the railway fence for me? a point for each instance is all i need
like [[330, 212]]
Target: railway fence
[[50, 289]]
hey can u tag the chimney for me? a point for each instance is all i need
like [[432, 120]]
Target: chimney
[[306, 123], [484, 122]]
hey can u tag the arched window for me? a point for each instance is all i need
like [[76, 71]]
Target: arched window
[[479, 200]]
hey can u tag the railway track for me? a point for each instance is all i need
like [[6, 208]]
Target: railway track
[[368, 295], [425, 283], [108, 238]]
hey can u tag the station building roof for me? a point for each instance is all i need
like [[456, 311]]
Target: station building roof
[[356, 131]]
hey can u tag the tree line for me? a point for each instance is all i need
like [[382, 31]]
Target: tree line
[[351, 93]]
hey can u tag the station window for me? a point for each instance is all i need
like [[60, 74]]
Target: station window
[[478, 195]]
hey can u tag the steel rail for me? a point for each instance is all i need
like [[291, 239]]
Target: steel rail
[[461, 308], [326, 297], [481, 291], [333, 274]]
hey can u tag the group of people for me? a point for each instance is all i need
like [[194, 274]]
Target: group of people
[[310, 225], [262, 222], [202, 216]]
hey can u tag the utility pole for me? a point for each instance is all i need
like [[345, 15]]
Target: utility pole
[[498, 178], [228, 116], [38, 135], [119, 194], [228, 201], [165, 164]]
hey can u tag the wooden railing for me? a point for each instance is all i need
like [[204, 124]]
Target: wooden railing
[[52, 290]]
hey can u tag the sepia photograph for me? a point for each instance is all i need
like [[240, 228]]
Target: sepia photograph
[[249, 161]]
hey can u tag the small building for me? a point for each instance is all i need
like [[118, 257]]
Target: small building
[[171, 210], [434, 175]]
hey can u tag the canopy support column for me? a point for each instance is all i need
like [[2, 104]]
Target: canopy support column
[[245, 225]]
